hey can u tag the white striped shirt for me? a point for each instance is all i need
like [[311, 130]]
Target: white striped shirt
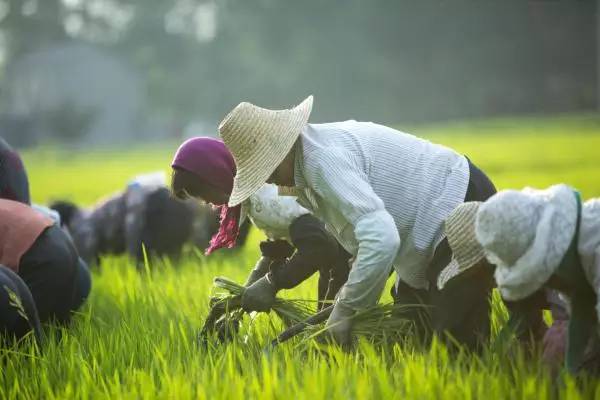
[[383, 194]]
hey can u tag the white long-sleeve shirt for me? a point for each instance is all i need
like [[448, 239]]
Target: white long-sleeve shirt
[[383, 194]]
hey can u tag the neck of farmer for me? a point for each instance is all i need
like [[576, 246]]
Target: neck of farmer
[[284, 174]]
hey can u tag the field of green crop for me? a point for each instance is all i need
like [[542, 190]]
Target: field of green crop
[[135, 338]]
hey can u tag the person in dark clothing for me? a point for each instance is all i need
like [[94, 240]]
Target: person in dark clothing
[[145, 213], [18, 313], [58, 279], [298, 244], [44, 257], [542, 240], [14, 184]]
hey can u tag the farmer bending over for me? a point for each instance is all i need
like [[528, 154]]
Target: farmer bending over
[[545, 239], [298, 244], [145, 213], [382, 193]]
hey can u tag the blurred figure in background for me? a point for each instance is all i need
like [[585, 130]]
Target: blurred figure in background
[[14, 184], [144, 213]]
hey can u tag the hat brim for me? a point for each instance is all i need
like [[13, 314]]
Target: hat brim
[[454, 269], [253, 172], [450, 271]]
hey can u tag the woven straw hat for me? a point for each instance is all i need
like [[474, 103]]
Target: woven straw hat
[[466, 250], [259, 139]]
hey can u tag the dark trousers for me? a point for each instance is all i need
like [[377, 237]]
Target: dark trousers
[[58, 280], [18, 314], [461, 311]]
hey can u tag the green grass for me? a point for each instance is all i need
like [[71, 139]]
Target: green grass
[[136, 336]]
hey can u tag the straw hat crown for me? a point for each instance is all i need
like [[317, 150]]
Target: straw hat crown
[[259, 139]]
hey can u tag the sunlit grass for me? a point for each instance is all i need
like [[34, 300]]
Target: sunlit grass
[[136, 337]]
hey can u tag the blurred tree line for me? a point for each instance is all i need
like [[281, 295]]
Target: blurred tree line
[[384, 60]]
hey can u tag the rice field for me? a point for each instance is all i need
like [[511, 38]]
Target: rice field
[[136, 337]]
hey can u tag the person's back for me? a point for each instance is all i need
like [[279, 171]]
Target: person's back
[[20, 226], [419, 182]]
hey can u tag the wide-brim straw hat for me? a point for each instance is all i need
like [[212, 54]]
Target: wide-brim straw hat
[[460, 233], [259, 139]]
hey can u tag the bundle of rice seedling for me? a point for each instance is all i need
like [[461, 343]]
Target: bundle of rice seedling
[[229, 302], [380, 324]]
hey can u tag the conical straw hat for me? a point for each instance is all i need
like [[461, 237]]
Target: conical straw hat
[[259, 140]]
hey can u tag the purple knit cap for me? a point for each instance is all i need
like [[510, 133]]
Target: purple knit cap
[[209, 159]]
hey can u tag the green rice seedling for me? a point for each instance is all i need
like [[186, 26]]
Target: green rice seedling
[[290, 311], [382, 324]]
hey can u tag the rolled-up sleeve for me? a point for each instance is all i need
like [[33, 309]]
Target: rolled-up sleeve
[[342, 184]]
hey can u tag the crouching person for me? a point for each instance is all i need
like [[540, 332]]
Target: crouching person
[[548, 239], [526, 315], [383, 194], [44, 257], [298, 244], [144, 214]]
